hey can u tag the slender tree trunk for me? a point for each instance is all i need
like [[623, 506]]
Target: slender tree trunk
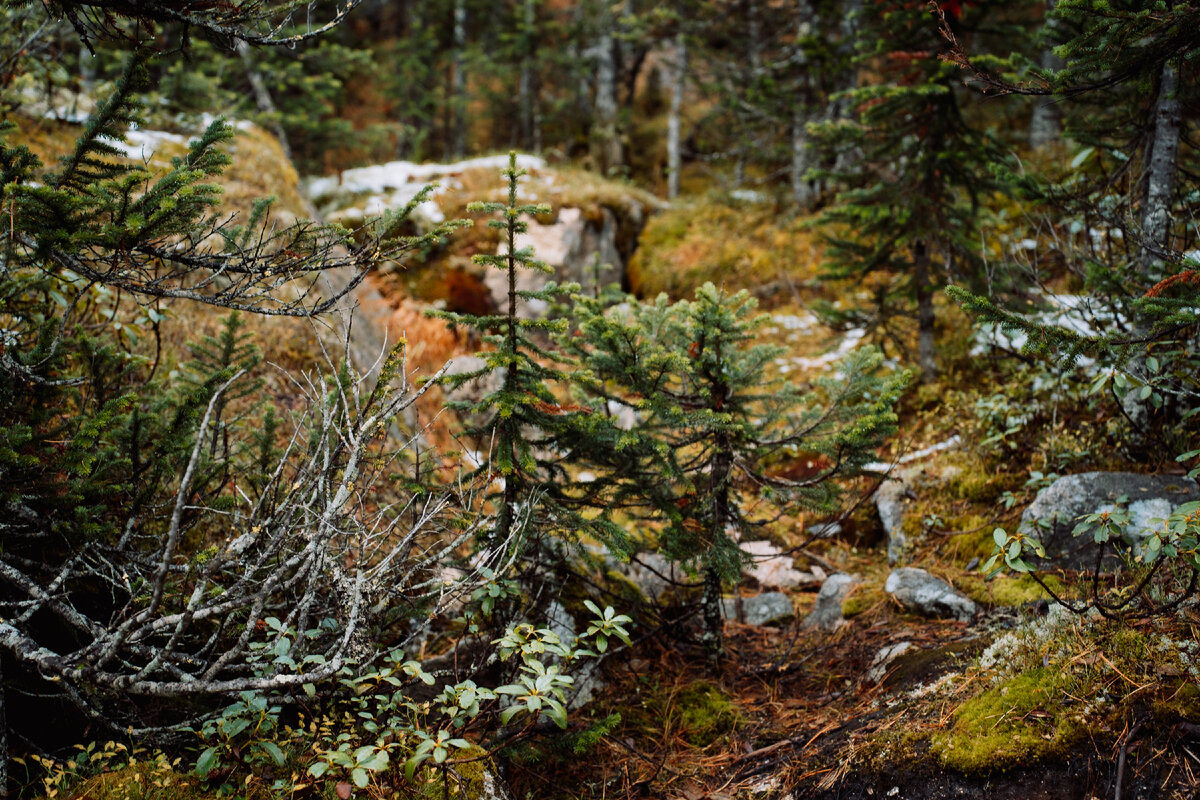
[[1046, 123], [606, 138], [458, 87], [678, 80], [849, 78], [923, 286], [1161, 172], [714, 621], [529, 87], [802, 189], [262, 97]]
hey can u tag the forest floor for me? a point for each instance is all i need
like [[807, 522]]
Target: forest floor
[[1088, 710]]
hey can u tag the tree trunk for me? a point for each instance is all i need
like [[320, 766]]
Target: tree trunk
[[458, 86], [262, 97], [1161, 172], [606, 138], [802, 189], [847, 80], [714, 621], [1046, 122], [923, 287], [529, 87], [674, 154]]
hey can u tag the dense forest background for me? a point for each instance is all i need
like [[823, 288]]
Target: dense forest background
[[576, 398]]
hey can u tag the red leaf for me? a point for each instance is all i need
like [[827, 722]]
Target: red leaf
[[344, 790]]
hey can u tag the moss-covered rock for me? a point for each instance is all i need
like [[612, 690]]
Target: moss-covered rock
[[733, 246], [705, 713], [1017, 724]]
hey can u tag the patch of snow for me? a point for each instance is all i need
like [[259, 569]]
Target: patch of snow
[[381, 178], [144, 143], [791, 322], [848, 343], [952, 442], [748, 196]]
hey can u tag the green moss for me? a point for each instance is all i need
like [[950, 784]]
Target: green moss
[[861, 598], [1020, 723], [734, 247], [705, 713], [1006, 590], [1182, 702], [467, 779]]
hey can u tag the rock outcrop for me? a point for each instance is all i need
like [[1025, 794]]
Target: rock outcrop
[[928, 595], [1052, 516], [827, 613]]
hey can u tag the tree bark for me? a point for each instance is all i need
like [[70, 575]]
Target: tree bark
[[714, 622], [529, 87], [3, 736], [1046, 123], [802, 189], [1161, 172], [262, 97], [674, 154], [458, 86], [606, 138]]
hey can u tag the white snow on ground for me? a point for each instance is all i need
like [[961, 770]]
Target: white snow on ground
[[394, 184], [880, 466], [848, 343], [1071, 312], [143, 145], [384, 178]]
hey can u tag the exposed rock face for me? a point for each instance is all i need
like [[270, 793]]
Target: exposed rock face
[[771, 568], [827, 613], [579, 250], [884, 658], [889, 501], [1053, 514], [927, 595], [767, 608], [650, 573]]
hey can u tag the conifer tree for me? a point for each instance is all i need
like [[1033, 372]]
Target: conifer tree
[[908, 190], [1126, 71], [710, 423], [523, 432]]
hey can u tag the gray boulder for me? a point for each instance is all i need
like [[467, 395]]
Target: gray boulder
[[827, 613], [1053, 514], [764, 609], [929, 596]]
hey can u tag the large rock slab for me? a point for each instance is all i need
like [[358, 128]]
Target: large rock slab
[[764, 609], [827, 612], [770, 567], [1054, 512], [578, 249], [928, 595]]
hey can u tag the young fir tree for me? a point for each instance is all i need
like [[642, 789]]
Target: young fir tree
[[902, 222], [520, 430], [1127, 72], [711, 422]]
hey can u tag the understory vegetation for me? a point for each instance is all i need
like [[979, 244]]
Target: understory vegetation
[[764, 400]]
